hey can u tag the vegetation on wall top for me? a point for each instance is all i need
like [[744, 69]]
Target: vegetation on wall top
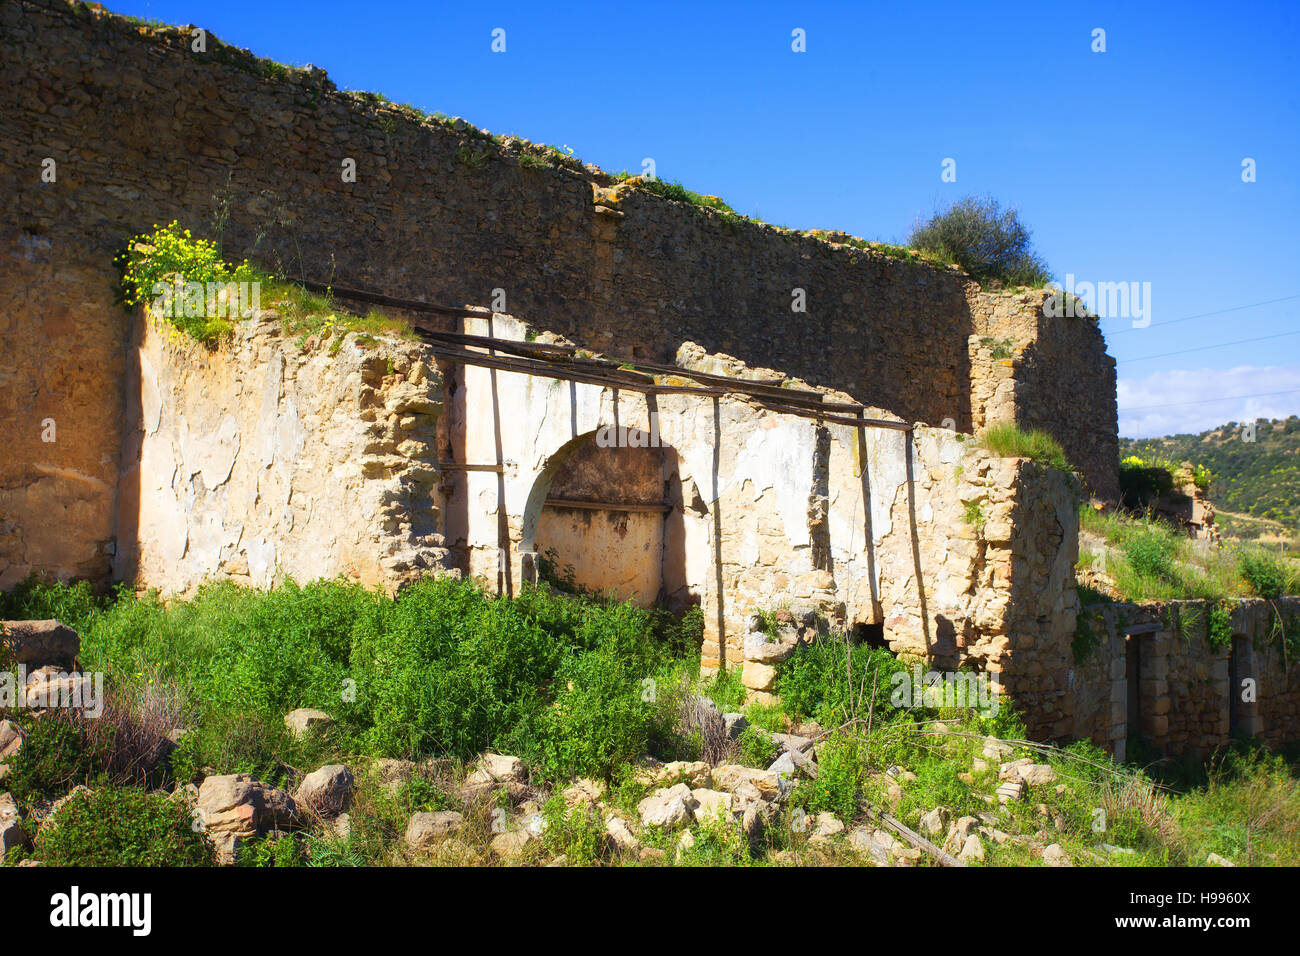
[[987, 241], [1008, 440], [186, 285]]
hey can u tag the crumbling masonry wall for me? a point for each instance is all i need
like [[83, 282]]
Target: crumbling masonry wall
[[1149, 671], [267, 456], [143, 130], [961, 557]]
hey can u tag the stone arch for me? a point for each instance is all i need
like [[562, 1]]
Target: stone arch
[[621, 515]]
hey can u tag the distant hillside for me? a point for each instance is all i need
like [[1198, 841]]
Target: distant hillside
[[1259, 479]]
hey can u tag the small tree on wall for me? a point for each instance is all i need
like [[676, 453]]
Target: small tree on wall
[[989, 242]]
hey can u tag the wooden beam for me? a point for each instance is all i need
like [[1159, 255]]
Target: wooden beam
[[663, 506], [462, 466]]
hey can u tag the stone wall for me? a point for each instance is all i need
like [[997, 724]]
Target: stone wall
[[1050, 373], [1153, 674], [268, 457], [144, 130], [957, 556]]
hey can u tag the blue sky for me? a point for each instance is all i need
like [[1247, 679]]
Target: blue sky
[[1127, 164]]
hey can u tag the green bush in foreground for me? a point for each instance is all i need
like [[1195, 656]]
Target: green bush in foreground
[[122, 827], [61, 751]]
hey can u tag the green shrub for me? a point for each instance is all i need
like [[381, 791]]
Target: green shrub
[[675, 190], [1267, 575], [841, 770], [832, 680], [757, 748], [1151, 553], [718, 842], [61, 750], [578, 833], [38, 599], [122, 827], [1007, 440], [601, 718], [1219, 632], [985, 240], [272, 850]]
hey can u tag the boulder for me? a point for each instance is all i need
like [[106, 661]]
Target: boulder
[[51, 686], [735, 724], [932, 823], [1037, 774], [958, 832], [50, 821], [584, 792], [972, 851], [327, 791], [234, 808], [1011, 770], [828, 825], [504, 769], [12, 835], [710, 803], [757, 676], [771, 785], [342, 826], [877, 844], [1011, 790], [40, 643], [793, 742], [668, 807], [754, 821], [11, 739], [620, 835], [425, 829], [481, 785], [697, 773], [761, 650], [784, 765], [685, 843], [1053, 855], [304, 721], [512, 845]]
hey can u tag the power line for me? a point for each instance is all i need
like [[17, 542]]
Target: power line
[[1206, 348], [1202, 315], [1202, 401]]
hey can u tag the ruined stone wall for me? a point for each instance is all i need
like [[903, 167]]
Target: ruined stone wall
[[960, 557], [1186, 698], [1046, 372], [268, 456], [143, 130]]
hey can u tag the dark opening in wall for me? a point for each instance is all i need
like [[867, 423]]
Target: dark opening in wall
[[872, 635], [1133, 675]]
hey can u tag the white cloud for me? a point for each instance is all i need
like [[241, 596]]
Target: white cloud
[[1179, 401]]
